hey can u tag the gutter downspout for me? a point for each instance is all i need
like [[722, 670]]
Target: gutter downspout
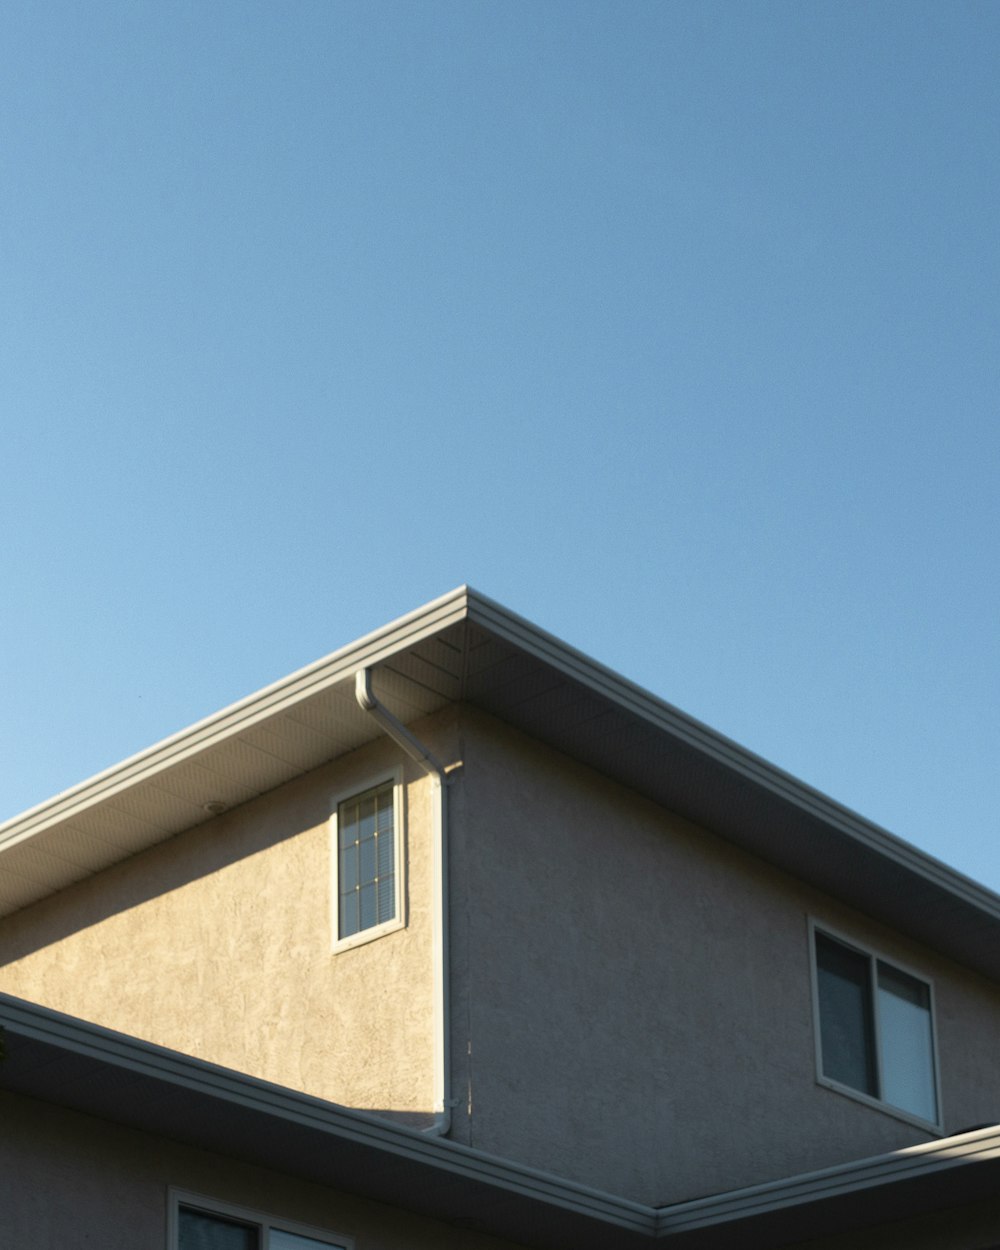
[[415, 749]]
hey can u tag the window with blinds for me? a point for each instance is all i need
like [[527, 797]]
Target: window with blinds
[[368, 863]]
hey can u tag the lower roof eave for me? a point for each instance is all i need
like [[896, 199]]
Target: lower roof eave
[[86, 1068], [863, 1193], [96, 1071]]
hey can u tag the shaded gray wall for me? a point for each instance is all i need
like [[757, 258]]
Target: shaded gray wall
[[632, 1001]]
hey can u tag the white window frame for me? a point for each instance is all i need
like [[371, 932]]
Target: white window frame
[[874, 957], [177, 1198], [393, 777]]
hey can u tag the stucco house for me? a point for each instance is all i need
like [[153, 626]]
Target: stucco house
[[457, 938]]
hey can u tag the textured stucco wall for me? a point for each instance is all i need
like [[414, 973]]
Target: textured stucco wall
[[632, 1000], [217, 943], [70, 1181], [630, 994]]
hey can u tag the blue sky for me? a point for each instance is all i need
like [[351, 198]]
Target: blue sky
[[672, 326]]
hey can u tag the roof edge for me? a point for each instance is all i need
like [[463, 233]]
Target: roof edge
[[216, 728], [757, 770], [916, 1163], [465, 603]]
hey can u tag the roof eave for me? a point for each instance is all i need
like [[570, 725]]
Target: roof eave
[[371, 650], [741, 796]]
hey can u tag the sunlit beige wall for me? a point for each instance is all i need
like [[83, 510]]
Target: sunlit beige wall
[[217, 943], [633, 998]]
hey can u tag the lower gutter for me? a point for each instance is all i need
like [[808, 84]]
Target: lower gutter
[[63, 1060]]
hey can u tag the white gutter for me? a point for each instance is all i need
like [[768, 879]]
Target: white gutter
[[396, 730]]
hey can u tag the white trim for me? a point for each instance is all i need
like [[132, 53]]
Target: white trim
[[874, 957], [393, 777], [177, 1198]]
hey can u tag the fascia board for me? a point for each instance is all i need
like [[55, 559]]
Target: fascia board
[[124, 1053], [280, 696], [668, 719]]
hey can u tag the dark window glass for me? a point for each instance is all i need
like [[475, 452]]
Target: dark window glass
[[294, 1241], [845, 1010], [200, 1231]]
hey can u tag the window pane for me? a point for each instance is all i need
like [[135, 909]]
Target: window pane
[[199, 1231], [293, 1241], [366, 836], [845, 1011], [384, 819], [367, 869], [348, 869], [366, 817], [349, 918], [385, 854], [904, 1011], [347, 824], [367, 897], [386, 898]]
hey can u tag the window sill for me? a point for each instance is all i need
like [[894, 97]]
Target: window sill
[[367, 935], [876, 1104]]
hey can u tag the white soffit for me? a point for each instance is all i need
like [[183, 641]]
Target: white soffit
[[264, 740]]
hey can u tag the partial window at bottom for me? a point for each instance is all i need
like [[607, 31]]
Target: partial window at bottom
[[199, 1229]]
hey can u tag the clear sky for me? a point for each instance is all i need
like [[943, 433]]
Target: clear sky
[[673, 326]]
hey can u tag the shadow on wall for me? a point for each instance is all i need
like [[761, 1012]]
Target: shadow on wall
[[198, 852]]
